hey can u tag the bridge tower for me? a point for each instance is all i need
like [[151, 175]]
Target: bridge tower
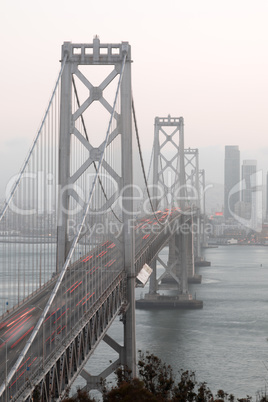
[[169, 194], [202, 186], [195, 184], [118, 56], [193, 189]]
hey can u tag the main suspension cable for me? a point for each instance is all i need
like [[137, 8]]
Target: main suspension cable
[[142, 163]]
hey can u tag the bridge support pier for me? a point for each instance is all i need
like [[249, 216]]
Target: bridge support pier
[[191, 274], [129, 321], [175, 278]]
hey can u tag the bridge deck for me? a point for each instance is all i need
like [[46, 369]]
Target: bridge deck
[[62, 334]]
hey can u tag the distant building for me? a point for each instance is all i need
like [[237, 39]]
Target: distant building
[[231, 179], [243, 209], [249, 170]]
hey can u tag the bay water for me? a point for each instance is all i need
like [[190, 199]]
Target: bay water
[[225, 343]]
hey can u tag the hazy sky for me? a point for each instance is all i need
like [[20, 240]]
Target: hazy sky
[[204, 60]]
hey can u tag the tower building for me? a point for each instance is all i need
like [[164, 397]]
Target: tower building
[[231, 179], [249, 170]]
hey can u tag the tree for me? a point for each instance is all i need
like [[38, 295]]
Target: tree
[[82, 396], [156, 375], [156, 383], [130, 391]]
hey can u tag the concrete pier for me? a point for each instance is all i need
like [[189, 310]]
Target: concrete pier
[[200, 262], [195, 279], [156, 301], [168, 283]]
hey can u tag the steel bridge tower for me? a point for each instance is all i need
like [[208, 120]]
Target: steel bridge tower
[[193, 189], [195, 183], [99, 54], [202, 186], [169, 193]]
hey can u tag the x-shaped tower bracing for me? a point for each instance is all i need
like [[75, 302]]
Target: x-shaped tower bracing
[[202, 187], [193, 189], [191, 157], [170, 191], [168, 162], [119, 172], [73, 134]]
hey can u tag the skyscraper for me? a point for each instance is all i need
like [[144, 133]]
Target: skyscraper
[[249, 168], [248, 193], [231, 179]]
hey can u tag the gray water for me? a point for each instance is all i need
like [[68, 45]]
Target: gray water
[[225, 343]]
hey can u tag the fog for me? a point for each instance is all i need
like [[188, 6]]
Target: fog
[[205, 61]]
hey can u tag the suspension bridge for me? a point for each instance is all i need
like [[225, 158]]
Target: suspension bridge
[[83, 224]]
